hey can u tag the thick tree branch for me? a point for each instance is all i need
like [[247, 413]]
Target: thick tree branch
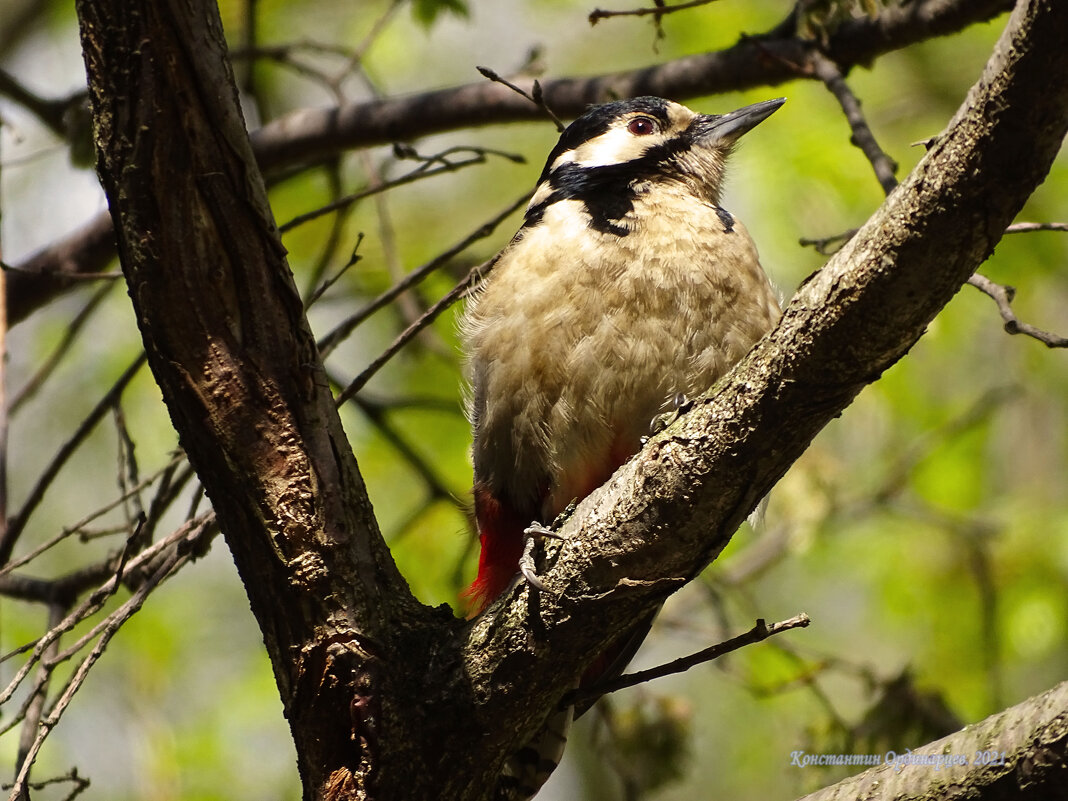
[[1020, 754], [228, 344], [768, 60], [310, 135], [670, 510]]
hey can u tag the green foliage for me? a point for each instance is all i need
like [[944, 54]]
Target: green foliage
[[428, 11]]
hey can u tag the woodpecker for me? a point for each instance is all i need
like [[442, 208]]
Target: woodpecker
[[627, 286]]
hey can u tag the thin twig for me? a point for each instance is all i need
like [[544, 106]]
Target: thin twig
[[333, 239], [70, 335], [760, 632], [128, 472], [357, 55], [1028, 228], [416, 276], [377, 416], [1003, 296], [85, 521], [323, 284], [659, 10], [431, 314], [827, 71], [408, 306], [115, 621], [829, 245], [81, 784], [422, 171], [824, 246], [36, 701], [183, 541], [19, 520], [536, 97]]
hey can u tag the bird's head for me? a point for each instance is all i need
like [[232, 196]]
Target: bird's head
[[617, 150]]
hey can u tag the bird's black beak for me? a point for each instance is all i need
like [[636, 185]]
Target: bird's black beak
[[725, 129]]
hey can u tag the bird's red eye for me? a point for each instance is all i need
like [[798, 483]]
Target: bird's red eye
[[641, 126]]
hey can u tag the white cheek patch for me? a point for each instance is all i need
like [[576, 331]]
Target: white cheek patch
[[615, 146], [541, 194]]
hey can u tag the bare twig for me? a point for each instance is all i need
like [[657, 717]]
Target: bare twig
[[829, 245], [760, 632], [658, 11], [81, 784], [321, 286], [408, 306], [85, 521], [70, 335], [478, 156], [186, 540], [113, 622], [431, 314], [19, 520], [1028, 227], [36, 701], [376, 414], [416, 276], [827, 71], [1002, 296], [536, 97], [379, 25], [332, 241]]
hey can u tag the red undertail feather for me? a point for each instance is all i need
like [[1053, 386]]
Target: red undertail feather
[[500, 534]]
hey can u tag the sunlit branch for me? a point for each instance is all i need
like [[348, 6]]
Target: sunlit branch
[[536, 96], [1003, 296]]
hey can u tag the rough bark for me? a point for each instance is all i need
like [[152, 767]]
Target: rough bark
[[1020, 754], [228, 344], [386, 698]]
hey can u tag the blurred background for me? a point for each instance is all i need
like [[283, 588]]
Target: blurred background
[[925, 532]]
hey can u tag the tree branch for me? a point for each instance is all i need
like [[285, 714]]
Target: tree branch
[[228, 344], [314, 135], [760, 632], [1019, 754], [670, 510], [1002, 296], [309, 135]]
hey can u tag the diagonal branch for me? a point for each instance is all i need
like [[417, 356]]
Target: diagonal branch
[[671, 509], [1017, 754], [1002, 296]]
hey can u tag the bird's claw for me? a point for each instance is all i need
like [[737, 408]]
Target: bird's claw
[[680, 404], [532, 535], [537, 531], [526, 564]]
